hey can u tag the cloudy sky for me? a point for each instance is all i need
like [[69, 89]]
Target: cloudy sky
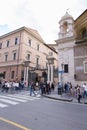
[[42, 15]]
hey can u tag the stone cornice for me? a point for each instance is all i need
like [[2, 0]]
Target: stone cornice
[[81, 19], [80, 57], [31, 31], [65, 40]]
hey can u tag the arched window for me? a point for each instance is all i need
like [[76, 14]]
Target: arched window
[[84, 33], [65, 27]]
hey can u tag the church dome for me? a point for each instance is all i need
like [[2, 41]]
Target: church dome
[[66, 16]]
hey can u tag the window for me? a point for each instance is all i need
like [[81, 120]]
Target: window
[[46, 65], [65, 27], [12, 74], [16, 41], [37, 61], [84, 33], [38, 47], [29, 42], [66, 68], [7, 43], [50, 53], [85, 67], [0, 45], [14, 56], [4, 74], [28, 57], [6, 57]]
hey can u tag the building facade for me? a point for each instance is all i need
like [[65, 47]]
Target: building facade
[[65, 45], [80, 49], [23, 55], [72, 49]]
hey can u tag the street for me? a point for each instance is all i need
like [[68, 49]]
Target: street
[[40, 113]]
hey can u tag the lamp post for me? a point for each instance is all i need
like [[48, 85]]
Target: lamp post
[[26, 68]]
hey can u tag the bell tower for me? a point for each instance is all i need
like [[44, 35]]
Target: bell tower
[[66, 26], [66, 43]]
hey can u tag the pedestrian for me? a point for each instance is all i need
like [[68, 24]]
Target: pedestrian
[[31, 87], [52, 86], [41, 88], [79, 96], [3, 86], [85, 90], [70, 89]]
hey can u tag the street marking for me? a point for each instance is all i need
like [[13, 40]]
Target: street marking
[[17, 96], [30, 97], [8, 101], [25, 96], [14, 124], [11, 98], [3, 105]]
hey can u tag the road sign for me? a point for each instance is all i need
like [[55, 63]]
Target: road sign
[[61, 71]]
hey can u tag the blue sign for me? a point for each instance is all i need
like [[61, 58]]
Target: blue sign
[[61, 71]]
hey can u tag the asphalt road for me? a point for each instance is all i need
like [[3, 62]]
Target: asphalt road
[[44, 114]]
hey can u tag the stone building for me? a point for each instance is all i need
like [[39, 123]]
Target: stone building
[[65, 45], [72, 49], [80, 49], [24, 55]]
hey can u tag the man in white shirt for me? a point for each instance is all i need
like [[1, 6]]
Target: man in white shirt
[[85, 90]]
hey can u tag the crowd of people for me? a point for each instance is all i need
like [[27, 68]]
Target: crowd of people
[[11, 86], [78, 91], [45, 88], [14, 86]]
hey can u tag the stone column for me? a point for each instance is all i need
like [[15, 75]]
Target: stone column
[[51, 73], [59, 77], [48, 74], [24, 73], [27, 74]]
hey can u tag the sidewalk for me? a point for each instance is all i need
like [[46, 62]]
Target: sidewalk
[[54, 95]]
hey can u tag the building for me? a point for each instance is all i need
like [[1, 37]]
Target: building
[[65, 45], [72, 49], [24, 55], [80, 49]]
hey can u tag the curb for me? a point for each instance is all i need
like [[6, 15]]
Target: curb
[[61, 99], [85, 102]]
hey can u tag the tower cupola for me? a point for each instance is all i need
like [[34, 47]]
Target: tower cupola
[[66, 26]]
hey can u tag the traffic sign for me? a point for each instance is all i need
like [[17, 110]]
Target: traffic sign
[[61, 71]]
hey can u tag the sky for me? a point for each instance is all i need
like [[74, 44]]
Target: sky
[[42, 15]]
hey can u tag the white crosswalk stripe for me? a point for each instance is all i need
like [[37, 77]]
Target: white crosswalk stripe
[[3, 105], [14, 99], [8, 101]]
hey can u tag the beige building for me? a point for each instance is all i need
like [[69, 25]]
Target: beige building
[[24, 55]]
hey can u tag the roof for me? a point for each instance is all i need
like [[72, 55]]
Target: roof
[[66, 16], [33, 32], [81, 15]]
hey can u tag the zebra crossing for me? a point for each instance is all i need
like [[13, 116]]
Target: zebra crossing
[[14, 99]]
